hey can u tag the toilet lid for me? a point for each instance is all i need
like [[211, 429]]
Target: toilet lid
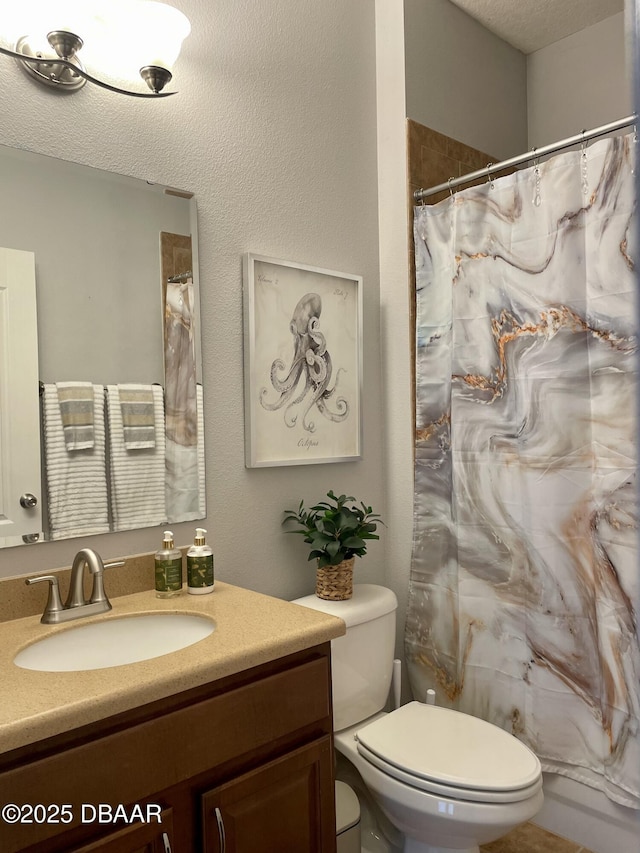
[[447, 747]]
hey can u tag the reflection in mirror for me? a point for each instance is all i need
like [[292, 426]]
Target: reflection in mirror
[[100, 365]]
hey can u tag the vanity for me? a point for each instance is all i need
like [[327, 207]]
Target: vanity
[[223, 747]]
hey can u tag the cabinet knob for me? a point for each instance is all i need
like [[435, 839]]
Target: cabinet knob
[[28, 501]]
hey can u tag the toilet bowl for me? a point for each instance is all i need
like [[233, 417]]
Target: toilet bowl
[[444, 776], [446, 780]]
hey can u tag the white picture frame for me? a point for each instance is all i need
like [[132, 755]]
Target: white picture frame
[[302, 363]]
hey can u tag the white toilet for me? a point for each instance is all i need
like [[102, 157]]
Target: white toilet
[[448, 781]]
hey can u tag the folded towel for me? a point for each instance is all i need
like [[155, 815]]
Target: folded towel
[[76, 411], [137, 477], [138, 419], [76, 482]]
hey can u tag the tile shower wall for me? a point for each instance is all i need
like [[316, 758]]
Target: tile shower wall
[[434, 158]]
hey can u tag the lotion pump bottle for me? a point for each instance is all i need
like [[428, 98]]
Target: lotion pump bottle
[[168, 563], [199, 565]]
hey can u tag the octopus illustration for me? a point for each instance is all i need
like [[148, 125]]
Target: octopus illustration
[[305, 383]]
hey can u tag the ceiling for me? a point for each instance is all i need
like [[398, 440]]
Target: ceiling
[[532, 24]]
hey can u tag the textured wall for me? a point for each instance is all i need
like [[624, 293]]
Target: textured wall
[[581, 81], [274, 130], [462, 80]]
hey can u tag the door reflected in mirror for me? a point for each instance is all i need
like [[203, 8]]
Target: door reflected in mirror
[[118, 393]]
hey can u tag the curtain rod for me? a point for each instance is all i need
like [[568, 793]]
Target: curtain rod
[[492, 168]]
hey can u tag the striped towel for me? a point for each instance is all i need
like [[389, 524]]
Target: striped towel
[[138, 419], [137, 478], [76, 411], [76, 482]]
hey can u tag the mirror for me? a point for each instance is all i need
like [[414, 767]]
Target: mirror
[[117, 304]]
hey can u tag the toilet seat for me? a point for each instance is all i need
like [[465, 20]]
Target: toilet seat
[[450, 754]]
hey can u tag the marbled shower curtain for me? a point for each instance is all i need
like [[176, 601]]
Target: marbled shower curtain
[[525, 561]]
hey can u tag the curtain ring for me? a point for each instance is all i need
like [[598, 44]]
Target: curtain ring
[[584, 167], [489, 178], [537, 200], [450, 187]]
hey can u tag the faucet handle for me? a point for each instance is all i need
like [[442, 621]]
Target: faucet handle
[[54, 604]]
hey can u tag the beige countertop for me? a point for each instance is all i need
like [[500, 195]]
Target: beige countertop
[[251, 629]]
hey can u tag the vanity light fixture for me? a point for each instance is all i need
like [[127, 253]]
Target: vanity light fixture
[[122, 38]]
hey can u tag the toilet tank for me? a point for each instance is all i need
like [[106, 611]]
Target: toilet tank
[[361, 660]]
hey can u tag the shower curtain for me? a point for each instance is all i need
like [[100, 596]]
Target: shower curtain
[[524, 578]]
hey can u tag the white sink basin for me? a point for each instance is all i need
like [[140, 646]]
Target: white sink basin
[[114, 642]]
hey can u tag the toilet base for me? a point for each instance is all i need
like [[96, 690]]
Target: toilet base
[[413, 846]]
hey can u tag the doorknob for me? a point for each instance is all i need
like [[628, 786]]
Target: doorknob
[[28, 501]]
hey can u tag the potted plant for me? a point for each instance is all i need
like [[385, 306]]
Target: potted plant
[[337, 531]]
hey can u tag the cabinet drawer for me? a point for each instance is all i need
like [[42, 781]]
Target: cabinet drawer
[[128, 765]]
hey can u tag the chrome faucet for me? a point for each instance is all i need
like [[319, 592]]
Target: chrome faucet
[[76, 606]]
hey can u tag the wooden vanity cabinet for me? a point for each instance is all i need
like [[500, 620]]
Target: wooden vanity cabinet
[[241, 765]]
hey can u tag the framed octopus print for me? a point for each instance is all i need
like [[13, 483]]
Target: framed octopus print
[[302, 363]]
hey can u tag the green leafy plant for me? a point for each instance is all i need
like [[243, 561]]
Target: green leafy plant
[[337, 529]]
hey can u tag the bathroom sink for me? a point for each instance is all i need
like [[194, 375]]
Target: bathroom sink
[[114, 642]]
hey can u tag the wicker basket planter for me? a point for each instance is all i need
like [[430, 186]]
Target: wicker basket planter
[[337, 529], [335, 583]]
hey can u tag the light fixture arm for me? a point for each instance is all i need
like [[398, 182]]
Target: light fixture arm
[[77, 69]]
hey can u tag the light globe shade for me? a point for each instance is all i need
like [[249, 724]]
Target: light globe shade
[[36, 18], [72, 16], [129, 34], [160, 30]]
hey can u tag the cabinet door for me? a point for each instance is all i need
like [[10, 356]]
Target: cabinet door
[[286, 805], [137, 838]]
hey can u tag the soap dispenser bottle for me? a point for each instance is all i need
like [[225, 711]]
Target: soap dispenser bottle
[[199, 565], [168, 564]]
